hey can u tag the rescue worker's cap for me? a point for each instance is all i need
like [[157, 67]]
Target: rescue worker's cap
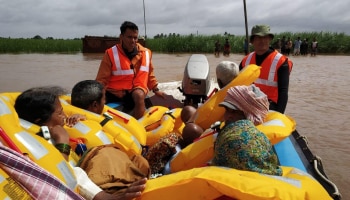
[[261, 30]]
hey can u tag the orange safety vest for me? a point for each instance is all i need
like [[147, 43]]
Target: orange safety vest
[[267, 81], [124, 75]]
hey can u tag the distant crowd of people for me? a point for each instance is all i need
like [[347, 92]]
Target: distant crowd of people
[[226, 48], [300, 47], [285, 46]]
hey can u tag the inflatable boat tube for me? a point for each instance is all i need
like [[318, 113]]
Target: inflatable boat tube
[[210, 111], [214, 182]]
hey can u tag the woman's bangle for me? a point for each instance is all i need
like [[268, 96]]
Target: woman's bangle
[[63, 148]]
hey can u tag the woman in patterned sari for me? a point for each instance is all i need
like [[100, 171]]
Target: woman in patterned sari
[[240, 144]]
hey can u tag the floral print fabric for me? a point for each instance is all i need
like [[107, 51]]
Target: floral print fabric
[[242, 146]]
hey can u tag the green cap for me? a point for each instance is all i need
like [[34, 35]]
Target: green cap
[[261, 30]]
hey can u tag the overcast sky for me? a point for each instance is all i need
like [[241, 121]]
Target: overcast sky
[[76, 18]]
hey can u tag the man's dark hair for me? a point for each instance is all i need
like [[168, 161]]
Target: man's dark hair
[[128, 25], [86, 92]]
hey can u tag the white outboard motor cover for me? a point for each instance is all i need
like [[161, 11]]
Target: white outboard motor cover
[[196, 76]]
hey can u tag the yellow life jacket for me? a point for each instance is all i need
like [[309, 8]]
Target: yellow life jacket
[[128, 122], [37, 148], [277, 126], [157, 123], [179, 125], [152, 115], [95, 133], [214, 182], [210, 111]]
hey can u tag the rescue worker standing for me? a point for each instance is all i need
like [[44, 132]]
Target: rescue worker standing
[[126, 71], [275, 68]]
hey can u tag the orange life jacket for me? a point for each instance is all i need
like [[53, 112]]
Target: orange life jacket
[[267, 80], [125, 76]]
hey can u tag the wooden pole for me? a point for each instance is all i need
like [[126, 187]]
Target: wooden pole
[[144, 18], [246, 23]]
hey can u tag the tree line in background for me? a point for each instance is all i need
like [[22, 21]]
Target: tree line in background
[[328, 43]]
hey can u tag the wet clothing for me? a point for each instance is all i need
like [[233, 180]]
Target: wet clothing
[[242, 146], [278, 91]]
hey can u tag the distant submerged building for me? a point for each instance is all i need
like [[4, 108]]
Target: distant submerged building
[[99, 44]]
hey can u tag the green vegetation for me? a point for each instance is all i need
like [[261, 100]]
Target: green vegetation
[[329, 43], [38, 45]]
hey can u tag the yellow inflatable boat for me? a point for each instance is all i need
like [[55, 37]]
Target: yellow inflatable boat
[[215, 182]]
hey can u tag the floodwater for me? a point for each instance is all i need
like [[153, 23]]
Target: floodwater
[[319, 94]]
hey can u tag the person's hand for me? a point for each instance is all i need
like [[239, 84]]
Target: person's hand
[[160, 93], [133, 191], [73, 119], [59, 134]]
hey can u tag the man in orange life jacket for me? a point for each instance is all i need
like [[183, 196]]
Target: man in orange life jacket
[[275, 68], [126, 71]]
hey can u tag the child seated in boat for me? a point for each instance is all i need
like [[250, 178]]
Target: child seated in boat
[[41, 106], [169, 145], [240, 144]]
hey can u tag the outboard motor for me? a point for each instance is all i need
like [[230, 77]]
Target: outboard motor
[[196, 83]]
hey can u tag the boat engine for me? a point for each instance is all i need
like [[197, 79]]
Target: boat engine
[[196, 83]]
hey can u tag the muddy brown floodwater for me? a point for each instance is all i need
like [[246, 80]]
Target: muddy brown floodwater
[[319, 94]]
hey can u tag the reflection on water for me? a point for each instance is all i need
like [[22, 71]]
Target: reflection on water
[[318, 99]]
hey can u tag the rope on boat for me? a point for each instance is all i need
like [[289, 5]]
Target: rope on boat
[[303, 137], [317, 161]]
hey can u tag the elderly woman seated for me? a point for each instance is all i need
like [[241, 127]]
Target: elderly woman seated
[[240, 144]]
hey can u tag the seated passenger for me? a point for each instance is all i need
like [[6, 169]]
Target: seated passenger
[[240, 144], [89, 95], [226, 71], [169, 145], [41, 106]]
